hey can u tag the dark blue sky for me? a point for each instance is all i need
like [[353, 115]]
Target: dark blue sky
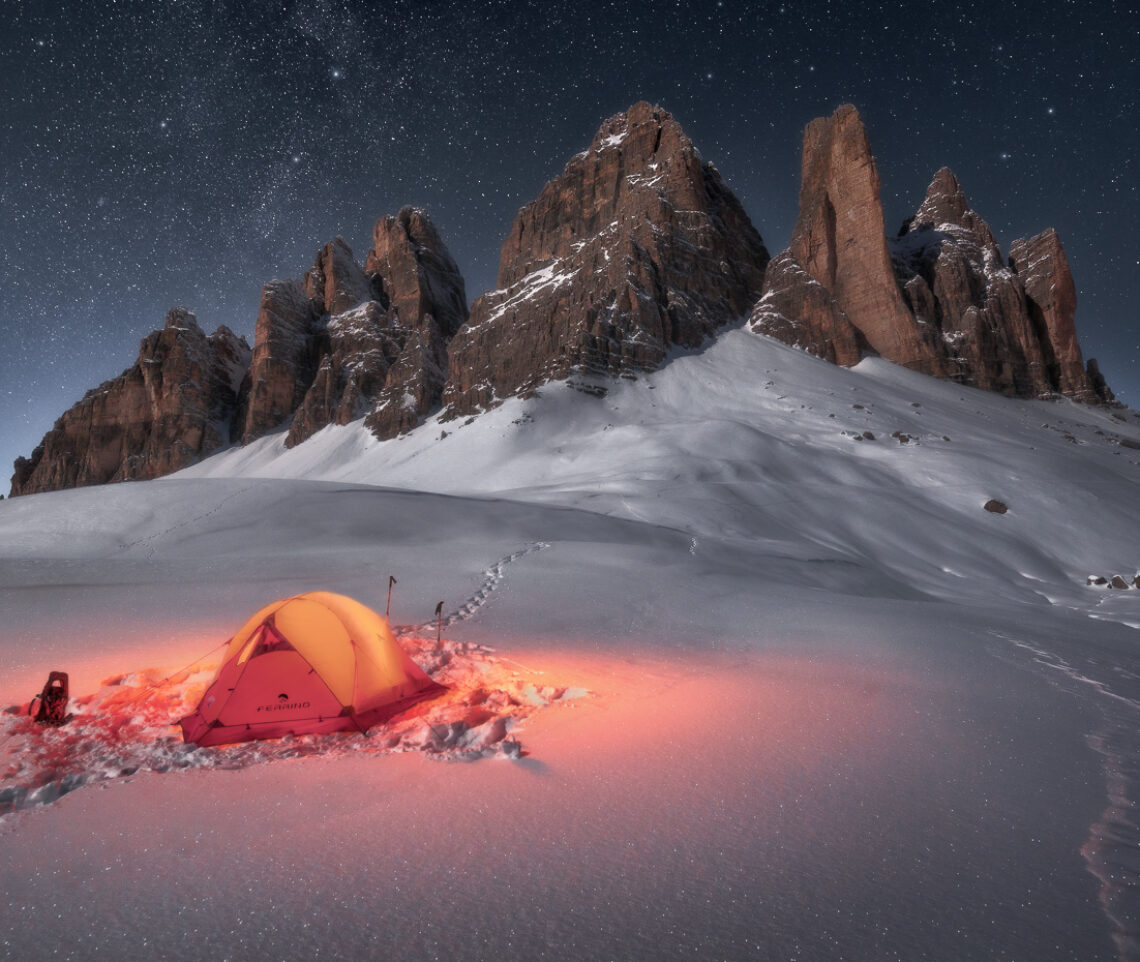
[[163, 153]]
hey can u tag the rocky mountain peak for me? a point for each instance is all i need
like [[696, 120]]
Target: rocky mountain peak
[[638, 245], [646, 134], [1051, 300], [944, 203], [940, 298], [642, 114], [415, 273], [840, 241], [335, 282], [169, 409], [181, 319], [635, 157], [945, 207]]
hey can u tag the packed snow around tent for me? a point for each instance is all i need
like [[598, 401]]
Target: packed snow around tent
[[837, 707], [130, 725]]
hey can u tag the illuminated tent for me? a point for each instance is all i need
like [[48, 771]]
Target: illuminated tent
[[319, 662]]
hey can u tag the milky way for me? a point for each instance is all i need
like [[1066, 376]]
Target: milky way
[[157, 154]]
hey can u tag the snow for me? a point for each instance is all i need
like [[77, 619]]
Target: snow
[[764, 692], [641, 180], [550, 277], [354, 320], [127, 725]]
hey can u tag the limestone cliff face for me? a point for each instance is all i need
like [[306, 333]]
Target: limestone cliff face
[[1005, 327], [349, 342], [840, 241], [351, 362], [428, 304], [335, 282], [940, 298], [635, 247], [172, 407], [284, 358], [800, 311], [415, 273], [1051, 300]]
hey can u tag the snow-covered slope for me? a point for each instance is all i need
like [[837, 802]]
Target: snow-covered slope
[[751, 443], [835, 709]]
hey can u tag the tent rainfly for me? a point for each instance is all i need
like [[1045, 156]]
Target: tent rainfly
[[319, 662]]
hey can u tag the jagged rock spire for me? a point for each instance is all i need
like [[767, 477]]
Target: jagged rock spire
[[840, 241], [637, 246], [941, 299], [351, 342]]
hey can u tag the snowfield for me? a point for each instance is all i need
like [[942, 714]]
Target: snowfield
[[741, 668]]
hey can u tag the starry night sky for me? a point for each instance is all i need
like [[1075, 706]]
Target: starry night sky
[[163, 153]]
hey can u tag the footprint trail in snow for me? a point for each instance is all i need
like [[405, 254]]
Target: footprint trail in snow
[[492, 578]]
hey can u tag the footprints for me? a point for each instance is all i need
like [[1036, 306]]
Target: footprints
[[126, 727], [492, 577], [1109, 851]]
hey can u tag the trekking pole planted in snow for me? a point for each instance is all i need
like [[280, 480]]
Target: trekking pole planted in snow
[[438, 624], [391, 581]]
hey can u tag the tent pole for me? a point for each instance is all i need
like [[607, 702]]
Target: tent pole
[[438, 625], [391, 581]]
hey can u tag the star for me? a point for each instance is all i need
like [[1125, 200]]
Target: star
[[252, 97]]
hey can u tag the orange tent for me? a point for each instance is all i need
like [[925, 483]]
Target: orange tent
[[319, 662]]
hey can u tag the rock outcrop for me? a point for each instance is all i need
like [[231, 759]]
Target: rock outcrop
[[335, 282], [940, 299], [959, 286], [172, 407], [427, 304], [1051, 299], [415, 273], [348, 342], [636, 247], [840, 241], [1099, 385], [798, 310], [284, 358]]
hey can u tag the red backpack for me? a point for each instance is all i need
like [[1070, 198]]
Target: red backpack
[[52, 700]]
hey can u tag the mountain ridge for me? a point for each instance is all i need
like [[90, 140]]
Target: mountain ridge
[[636, 248]]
